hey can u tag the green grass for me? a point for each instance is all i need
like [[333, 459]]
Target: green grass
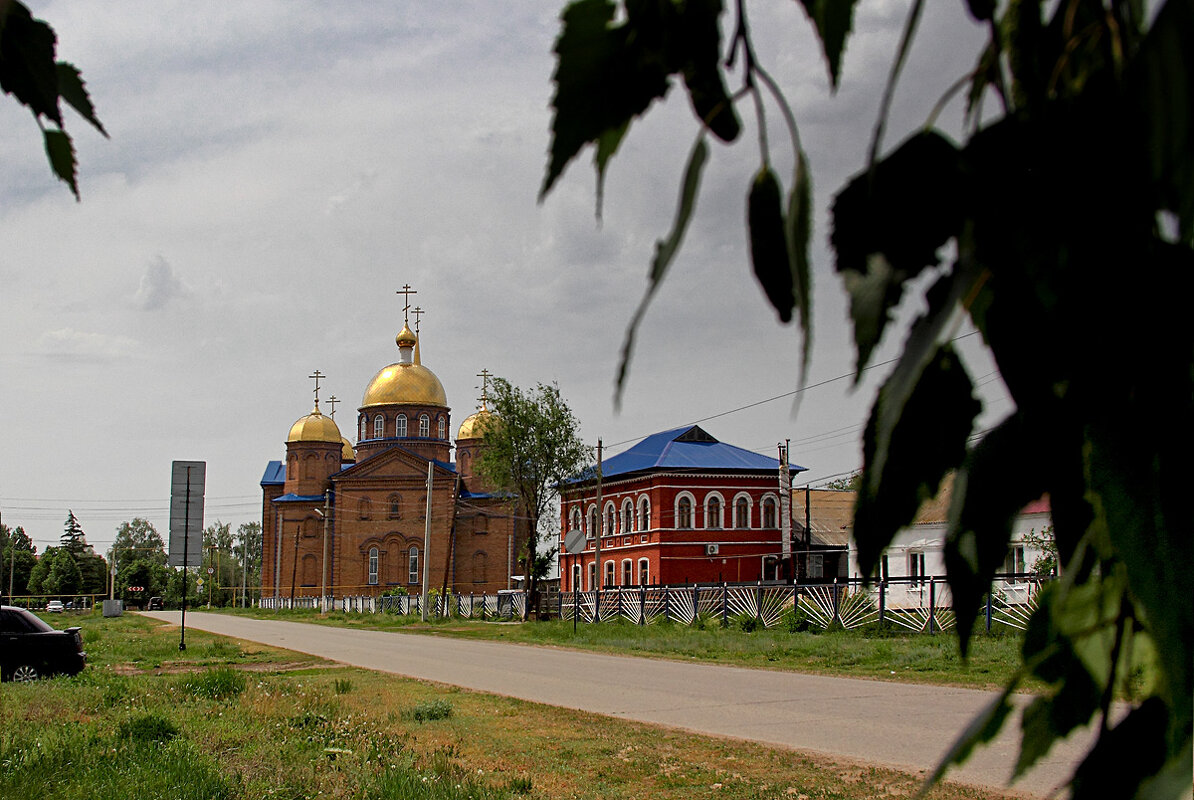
[[890, 654], [253, 726]]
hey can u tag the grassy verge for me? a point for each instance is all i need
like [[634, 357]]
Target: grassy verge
[[883, 655], [251, 722]]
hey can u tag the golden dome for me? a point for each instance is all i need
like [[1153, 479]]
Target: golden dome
[[471, 427], [346, 451], [406, 338], [314, 427], [405, 384]]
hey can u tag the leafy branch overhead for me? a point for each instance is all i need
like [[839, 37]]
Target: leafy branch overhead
[[1062, 228], [30, 73]]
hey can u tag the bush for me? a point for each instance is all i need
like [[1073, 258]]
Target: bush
[[147, 729], [796, 621], [428, 711], [747, 623]]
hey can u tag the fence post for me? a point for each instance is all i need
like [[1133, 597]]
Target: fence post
[[882, 601], [725, 605], [988, 612], [759, 601], [696, 605], [932, 606], [667, 596], [597, 605], [837, 599]]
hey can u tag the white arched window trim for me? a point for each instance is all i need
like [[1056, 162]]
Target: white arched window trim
[[771, 499], [743, 523], [591, 522], [412, 575], [627, 515], [714, 516], [400, 426], [373, 559], [610, 519], [644, 572], [424, 426], [644, 513], [379, 427], [627, 572], [678, 519], [443, 427]]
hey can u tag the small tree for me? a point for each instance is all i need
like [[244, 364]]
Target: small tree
[[19, 558], [531, 445], [73, 539]]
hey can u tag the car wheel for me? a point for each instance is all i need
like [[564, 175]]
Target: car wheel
[[24, 673]]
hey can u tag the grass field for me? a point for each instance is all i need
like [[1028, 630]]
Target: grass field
[[889, 655], [228, 720]]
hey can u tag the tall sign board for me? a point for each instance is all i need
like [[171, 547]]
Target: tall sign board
[[186, 513]]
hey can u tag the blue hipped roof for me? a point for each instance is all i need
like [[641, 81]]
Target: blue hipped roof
[[275, 474], [687, 448]]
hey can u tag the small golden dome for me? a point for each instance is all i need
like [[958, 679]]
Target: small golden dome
[[346, 451], [471, 428], [406, 337], [405, 384], [314, 427]]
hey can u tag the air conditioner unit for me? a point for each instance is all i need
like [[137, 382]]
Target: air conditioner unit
[[711, 549]]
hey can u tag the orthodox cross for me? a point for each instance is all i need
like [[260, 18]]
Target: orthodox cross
[[418, 312], [406, 291], [318, 376], [332, 405], [484, 375]]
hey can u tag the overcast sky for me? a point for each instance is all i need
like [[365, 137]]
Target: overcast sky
[[276, 171]]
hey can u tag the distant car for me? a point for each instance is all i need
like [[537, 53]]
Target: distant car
[[155, 604], [55, 606], [31, 649]]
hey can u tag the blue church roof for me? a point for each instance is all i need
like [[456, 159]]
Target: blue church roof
[[275, 474], [687, 448]]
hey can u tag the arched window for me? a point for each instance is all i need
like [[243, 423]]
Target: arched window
[[395, 502], [592, 575], [627, 515], [424, 426], [309, 465], [644, 572], [400, 426], [627, 572], [365, 508], [591, 531], [611, 520], [372, 566], [379, 427], [644, 514], [443, 427], [713, 511], [611, 575], [769, 515], [574, 519], [576, 587], [742, 512], [413, 566], [364, 426], [684, 512]]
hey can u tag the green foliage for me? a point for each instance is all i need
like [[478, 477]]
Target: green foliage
[[747, 623], [1069, 214], [73, 538], [147, 729], [342, 685], [30, 73], [214, 684], [428, 711], [1044, 543]]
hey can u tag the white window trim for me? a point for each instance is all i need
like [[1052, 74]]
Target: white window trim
[[644, 578], [400, 426], [676, 511], [750, 510], [412, 564], [379, 427], [721, 511]]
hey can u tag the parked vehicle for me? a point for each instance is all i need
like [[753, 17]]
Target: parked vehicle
[[55, 606], [155, 604], [31, 649]]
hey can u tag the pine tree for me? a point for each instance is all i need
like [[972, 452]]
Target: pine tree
[[73, 540]]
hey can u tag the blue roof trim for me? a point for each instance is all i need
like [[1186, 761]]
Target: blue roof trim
[[689, 447], [467, 495], [275, 474], [299, 498]]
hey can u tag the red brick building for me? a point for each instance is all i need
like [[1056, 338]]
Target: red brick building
[[374, 498], [679, 507]]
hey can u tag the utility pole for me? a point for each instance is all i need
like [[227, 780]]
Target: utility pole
[[244, 568], [600, 530], [323, 589], [426, 541]]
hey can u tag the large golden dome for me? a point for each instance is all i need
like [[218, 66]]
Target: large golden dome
[[314, 427], [405, 384], [471, 427]]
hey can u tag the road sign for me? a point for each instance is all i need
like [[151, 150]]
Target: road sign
[[186, 512], [136, 588], [574, 541], [199, 583], [210, 570]]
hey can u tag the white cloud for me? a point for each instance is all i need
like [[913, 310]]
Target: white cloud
[[73, 345], [159, 285]]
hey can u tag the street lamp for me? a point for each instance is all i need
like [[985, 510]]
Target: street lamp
[[324, 513]]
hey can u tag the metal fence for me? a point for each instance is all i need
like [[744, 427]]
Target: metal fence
[[916, 604]]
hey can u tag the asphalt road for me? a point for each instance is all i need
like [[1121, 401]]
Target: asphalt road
[[905, 726]]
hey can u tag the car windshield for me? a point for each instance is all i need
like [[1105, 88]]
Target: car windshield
[[16, 620]]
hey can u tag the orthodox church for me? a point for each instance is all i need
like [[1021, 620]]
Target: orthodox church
[[394, 510]]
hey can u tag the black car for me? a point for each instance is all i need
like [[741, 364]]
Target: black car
[[155, 604], [31, 649]]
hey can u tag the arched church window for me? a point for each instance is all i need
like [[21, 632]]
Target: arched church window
[[443, 428], [379, 427], [413, 562], [400, 426], [424, 426], [372, 566], [364, 427], [684, 513], [769, 513], [395, 502]]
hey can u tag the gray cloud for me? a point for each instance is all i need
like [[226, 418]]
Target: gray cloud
[[159, 285]]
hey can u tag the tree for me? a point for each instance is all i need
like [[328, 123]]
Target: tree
[[30, 73], [73, 539], [248, 551], [56, 572], [19, 558], [217, 556], [138, 540], [849, 482], [1070, 214], [531, 445]]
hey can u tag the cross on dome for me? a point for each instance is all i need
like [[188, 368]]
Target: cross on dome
[[484, 375], [406, 291], [318, 376], [332, 405]]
